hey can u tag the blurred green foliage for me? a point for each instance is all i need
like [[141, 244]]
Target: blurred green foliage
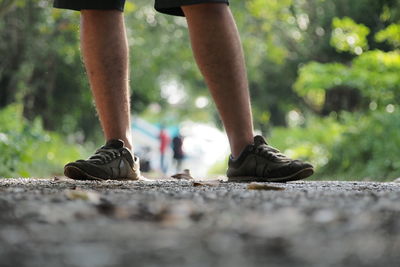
[[374, 73], [368, 146], [348, 36], [360, 146], [27, 149], [391, 34]]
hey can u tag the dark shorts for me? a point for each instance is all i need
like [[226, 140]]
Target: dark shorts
[[171, 7]]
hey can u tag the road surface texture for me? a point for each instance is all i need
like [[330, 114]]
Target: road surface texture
[[60, 222]]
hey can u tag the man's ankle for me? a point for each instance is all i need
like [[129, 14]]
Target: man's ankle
[[239, 146]]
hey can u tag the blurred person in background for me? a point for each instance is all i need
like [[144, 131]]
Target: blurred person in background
[[177, 147], [218, 52], [164, 143]]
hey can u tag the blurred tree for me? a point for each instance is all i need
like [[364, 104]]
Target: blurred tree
[[41, 64], [287, 34], [41, 67], [373, 74], [6, 6], [368, 144]]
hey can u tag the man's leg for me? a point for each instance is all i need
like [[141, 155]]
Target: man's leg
[[105, 54], [218, 51]]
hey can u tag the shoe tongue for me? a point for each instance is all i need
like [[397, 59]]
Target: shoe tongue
[[114, 143], [259, 140]]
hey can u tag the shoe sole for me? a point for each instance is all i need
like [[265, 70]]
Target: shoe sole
[[78, 174], [302, 174]]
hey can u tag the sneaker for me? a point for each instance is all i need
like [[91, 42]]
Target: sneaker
[[113, 161], [260, 162]]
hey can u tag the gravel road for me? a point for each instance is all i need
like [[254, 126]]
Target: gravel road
[[60, 222]]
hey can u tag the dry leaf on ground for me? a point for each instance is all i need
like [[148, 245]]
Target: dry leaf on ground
[[260, 186], [206, 183]]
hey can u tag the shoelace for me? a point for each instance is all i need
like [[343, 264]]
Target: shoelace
[[102, 156], [270, 152]]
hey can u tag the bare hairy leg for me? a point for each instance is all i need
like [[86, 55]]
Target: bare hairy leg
[[218, 52], [105, 54]]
